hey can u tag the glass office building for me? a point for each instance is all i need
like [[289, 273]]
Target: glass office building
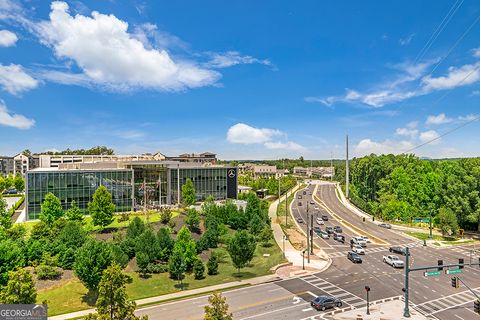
[[134, 185]]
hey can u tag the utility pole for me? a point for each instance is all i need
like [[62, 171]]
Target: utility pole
[[308, 239], [286, 208], [311, 233], [346, 171], [406, 310]]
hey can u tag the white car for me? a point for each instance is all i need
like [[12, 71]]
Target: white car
[[320, 221], [365, 238], [359, 241], [394, 261], [358, 249]]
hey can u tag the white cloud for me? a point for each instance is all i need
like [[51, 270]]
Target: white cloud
[[15, 80], [412, 124], [288, 145], [406, 40], [7, 38], [14, 120], [468, 117], [456, 77], [368, 146], [429, 135], [439, 119], [412, 133], [232, 58], [111, 57], [245, 134], [476, 52], [129, 134]]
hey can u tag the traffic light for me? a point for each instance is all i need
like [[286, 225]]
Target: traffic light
[[455, 283], [440, 265], [476, 306], [367, 288], [460, 262]]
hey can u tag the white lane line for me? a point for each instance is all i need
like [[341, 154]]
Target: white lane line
[[311, 293], [273, 290], [306, 309], [273, 311], [456, 315]]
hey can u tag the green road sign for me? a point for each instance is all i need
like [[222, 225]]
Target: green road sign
[[453, 271], [431, 273], [422, 220]]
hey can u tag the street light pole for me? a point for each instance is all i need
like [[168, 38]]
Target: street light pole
[[303, 255], [283, 238], [367, 288], [308, 239], [406, 310]]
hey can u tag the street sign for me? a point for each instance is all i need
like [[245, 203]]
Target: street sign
[[431, 273], [422, 220], [453, 271]]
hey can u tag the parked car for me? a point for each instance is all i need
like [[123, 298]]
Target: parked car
[[338, 229], [394, 261], [325, 302], [358, 250], [399, 250], [385, 225], [329, 230], [325, 217], [320, 221], [300, 220], [354, 257]]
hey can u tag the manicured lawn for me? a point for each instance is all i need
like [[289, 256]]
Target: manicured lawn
[[68, 297], [426, 236]]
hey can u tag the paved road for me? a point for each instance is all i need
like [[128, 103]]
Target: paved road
[[289, 299]]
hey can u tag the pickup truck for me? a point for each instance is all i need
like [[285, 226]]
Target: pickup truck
[[394, 261]]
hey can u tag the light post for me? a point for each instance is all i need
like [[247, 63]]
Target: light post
[[284, 237], [303, 255], [406, 310], [367, 288]]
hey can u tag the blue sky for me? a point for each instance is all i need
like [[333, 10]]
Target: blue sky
[[246, 80]]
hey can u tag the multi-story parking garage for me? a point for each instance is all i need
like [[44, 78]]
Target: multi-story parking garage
[[133, 184]]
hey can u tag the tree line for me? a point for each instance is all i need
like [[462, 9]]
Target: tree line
[[404, 187]]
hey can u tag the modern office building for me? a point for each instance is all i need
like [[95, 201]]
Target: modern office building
[[6, 165], [134, 185]]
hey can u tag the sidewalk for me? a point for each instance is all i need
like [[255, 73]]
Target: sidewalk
[[391, 310], [291, 254], [177, 295]]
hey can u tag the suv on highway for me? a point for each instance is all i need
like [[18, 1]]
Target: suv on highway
[[399, 250], [329, 230], [354, 257], [337, 229], [325, 302], [325, 217]]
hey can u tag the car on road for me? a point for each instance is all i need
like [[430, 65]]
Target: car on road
[[317, 208], [354, 257], [337, 229], [358, 250], [300, 220], [339, 237], [325, 302], [329, 230], [304, 192], [325, 217], [299, 196], [365, 238], [312, 202], [399, 250], [317, 229], [358, 241], [394, 261], [320, 221], [299, 204], [385, 225], [323, 235]]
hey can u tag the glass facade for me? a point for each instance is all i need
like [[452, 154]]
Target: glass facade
[[207, 181], [78, 185], [150, 185]]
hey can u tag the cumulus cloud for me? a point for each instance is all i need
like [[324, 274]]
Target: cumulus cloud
[[111, 57], [412, 133], [232, 58], [7, 38], [476, 52], [15, 80], [245, 134], [456, 77], [468, 117], [14, 120], [429, 135], [289, 145], [368, 146], [439, 119]]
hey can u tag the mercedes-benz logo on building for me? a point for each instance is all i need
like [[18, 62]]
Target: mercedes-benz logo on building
[[231, 173]]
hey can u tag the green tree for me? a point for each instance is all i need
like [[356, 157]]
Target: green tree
[[266, 236], [101, 208], [9, 181], [142, 262], [165, 243], [241, 248], [147, 243], [73, 213], [20, 288], [119, 256], [135, 228], [2, 183], [51, 209], [217, 308], [187, 246], [5, 217], [11, 257], [165, 215], [19, 183], [188, 193], [72, 235], [256, 225], [198, 269], [176, 264], [113, 302], [90, 261], [193, 220], [447, 221], [212, 265]]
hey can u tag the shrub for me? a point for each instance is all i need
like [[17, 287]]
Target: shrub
[[123, 217], [165, 215], [119, 256], [128, 246], [157, 268], [172, 224], [45, 272], [212, 265], [198, 269], [66, 258]]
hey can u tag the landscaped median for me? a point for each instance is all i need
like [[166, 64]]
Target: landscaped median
[[441, 240]]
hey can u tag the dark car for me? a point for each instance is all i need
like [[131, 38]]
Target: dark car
[[354, 257], [329, 230], [299, 204], [304, 192], [325, 217], [299, 196], [385, 225], [300, 220], [337, 229], [317, 229], [399, 250], [325, 302]]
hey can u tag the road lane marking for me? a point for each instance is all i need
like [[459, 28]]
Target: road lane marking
[[273, 311]]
